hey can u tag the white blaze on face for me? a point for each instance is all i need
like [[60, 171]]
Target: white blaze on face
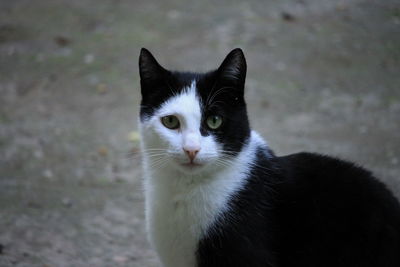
[[191, 141], [186, 107]]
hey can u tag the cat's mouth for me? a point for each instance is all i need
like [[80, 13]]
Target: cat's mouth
[[191, 165]]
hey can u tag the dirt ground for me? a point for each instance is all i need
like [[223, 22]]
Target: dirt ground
[[323, 76]]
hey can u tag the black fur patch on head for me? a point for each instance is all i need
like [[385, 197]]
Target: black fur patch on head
[[221, 92], [158, 84]]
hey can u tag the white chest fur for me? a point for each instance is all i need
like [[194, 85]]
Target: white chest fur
[[180, 208]]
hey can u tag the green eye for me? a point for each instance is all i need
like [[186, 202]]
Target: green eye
[[171, 122], [214, 122]]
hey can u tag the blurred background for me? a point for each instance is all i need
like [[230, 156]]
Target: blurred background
[[323, 76]]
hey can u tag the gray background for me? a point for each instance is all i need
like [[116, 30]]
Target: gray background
[[323, 76]]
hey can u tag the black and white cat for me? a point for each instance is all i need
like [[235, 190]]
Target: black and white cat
[[217, 196]]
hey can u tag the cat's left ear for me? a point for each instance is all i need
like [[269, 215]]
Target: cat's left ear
[[233, 68]]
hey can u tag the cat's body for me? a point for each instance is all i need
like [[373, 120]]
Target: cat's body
[[216, 195], [312, 211]]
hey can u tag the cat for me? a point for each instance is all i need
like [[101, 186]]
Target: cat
[[216, 195]]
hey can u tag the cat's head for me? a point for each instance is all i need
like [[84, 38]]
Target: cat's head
[[193, 120]]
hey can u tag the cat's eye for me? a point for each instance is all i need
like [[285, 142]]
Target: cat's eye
[[214, 122], [171, 122]]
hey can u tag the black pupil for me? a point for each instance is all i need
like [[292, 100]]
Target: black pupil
[[214, 119], [170, 119]]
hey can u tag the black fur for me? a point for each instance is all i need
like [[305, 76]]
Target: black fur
[[306, 210], [301, 210]]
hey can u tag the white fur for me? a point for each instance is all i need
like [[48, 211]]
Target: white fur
[[181, 203]]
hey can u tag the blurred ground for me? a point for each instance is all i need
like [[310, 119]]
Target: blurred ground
[[323, 76]]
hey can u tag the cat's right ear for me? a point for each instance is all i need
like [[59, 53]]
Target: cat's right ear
[[149, 69]]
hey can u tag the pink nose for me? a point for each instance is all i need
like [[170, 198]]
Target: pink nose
[[191, 154]]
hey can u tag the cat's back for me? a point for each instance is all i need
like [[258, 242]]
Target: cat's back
[[329, 207], [310, 176]]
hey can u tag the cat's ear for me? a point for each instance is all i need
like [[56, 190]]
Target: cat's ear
[[233, 68], [149, 68]]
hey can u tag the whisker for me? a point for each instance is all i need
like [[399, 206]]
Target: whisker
[[151, 149], [154, 163], [148, 154], [211, 92], [219, 91]]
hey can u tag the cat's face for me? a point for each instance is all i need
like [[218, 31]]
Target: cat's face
[[193, 121]]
